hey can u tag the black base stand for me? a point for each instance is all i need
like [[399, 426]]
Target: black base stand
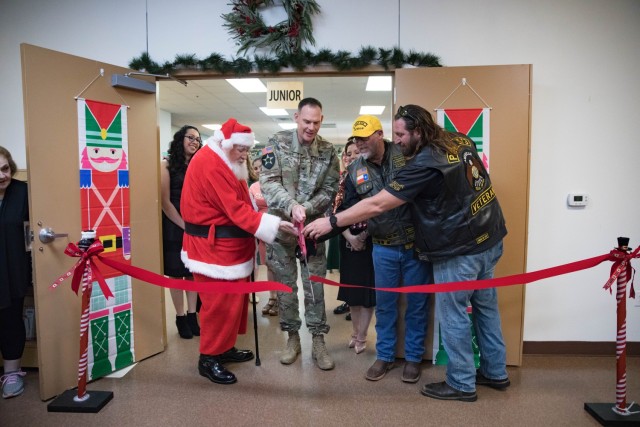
[[605, 415], [66, 403]]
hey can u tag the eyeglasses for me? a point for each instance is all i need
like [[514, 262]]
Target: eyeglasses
[[193, 138], [403, 112]]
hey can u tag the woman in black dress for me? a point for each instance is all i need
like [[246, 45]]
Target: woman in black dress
[[184, 145], [356, 264], [15, 269]]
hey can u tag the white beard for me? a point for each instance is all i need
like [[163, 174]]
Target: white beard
[[240, 170]]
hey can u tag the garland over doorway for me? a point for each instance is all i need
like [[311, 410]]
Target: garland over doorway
[[283, 42]]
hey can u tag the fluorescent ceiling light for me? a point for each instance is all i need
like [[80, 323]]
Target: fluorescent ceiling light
[[274, 111], [379, 84], [214, 126], [288, 125], [375, 110], [247, 85]]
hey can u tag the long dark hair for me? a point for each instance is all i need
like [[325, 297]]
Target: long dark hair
[[177, 160], [417, 118]]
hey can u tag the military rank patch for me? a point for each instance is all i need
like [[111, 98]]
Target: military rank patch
[[268, 157], [362, 176]]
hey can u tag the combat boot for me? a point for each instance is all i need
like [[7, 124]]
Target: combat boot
[[290, 354], [320, 354]]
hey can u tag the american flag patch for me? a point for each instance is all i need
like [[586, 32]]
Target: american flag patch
[[267, 150]]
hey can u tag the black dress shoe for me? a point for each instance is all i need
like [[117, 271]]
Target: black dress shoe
[[212, 368], [444, 391], [496, 384], [342, 309], [235, 355]]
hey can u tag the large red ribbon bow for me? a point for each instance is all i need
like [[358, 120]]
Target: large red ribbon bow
[[621, 262], [86, 264]]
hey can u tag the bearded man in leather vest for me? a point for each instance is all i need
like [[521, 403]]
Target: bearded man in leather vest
[[459, 229]]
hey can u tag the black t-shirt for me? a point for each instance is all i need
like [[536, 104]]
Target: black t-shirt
[[414, 181]]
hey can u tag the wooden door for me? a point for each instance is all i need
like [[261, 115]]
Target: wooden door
[[507, 91], [51, 82]]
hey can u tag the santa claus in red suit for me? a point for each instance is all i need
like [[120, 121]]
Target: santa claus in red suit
[[221, 226]]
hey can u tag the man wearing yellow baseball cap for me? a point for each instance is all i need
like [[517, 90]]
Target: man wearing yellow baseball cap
[[393, 236]]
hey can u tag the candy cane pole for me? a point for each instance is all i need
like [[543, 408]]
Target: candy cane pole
[[621, 335], [87, 238], [84, 337]]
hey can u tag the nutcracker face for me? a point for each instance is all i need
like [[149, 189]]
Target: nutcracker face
[[104, 159]]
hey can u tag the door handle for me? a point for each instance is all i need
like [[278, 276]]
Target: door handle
[[47, 235]]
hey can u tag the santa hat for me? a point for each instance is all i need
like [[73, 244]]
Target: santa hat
[[233, 133]]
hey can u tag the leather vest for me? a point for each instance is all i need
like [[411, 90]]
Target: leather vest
[[394, 227], [465, 217]]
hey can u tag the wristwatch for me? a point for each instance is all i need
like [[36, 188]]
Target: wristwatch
[[333, 220]]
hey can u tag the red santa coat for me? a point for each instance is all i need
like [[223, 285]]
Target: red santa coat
[[213, 195]]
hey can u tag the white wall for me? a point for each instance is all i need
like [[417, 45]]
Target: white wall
[[585, 105]]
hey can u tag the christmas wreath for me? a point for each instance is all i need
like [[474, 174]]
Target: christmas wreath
[[246, 26]]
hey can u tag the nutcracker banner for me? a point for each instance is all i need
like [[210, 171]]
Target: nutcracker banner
[[103, 146], [473, 122]]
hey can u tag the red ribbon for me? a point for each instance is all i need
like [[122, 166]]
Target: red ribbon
[[152, 278], [301, 241], [189, 285], [85, 263], [516, 279]]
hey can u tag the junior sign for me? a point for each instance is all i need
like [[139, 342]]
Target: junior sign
[[284, 94]]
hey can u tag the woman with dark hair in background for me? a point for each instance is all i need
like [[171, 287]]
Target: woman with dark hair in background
[[184, 145], [356, 263], [14, 273]]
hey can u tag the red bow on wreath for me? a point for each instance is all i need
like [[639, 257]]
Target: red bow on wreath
[[85, 264]]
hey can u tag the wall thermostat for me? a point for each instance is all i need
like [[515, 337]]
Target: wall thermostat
[[577, 199]]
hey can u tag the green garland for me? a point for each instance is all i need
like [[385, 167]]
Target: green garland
[[284, 40], [246, 26], [299, 61]]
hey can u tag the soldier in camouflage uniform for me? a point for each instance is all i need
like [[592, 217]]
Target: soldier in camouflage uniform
[[299, 179]]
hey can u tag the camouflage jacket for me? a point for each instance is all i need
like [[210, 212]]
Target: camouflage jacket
[[296, 174]]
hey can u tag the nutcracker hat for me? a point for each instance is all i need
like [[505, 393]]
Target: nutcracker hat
[[233, 133], [365, 126]]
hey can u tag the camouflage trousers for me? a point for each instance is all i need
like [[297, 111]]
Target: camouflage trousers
[[281, 260]]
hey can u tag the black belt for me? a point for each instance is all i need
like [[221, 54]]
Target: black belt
[[110, 242], [388, 242], [222, 231]]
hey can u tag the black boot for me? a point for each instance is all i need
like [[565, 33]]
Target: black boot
[[192, 320], [210, 367], [183, 327]]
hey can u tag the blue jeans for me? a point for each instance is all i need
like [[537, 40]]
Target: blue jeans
[[451, 309], [395, 266]]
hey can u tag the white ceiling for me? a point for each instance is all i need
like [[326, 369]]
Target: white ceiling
[[215, 100]]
